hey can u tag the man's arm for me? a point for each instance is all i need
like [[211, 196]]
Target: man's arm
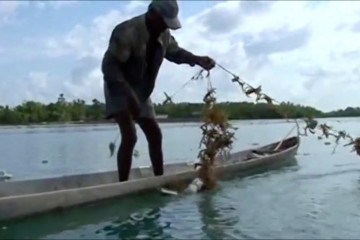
[[120, 48], [118, 52], [178, 55]]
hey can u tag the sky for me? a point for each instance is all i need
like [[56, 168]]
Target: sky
[[305, 52]]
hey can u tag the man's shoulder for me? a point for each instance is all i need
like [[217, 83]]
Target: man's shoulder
[[127, 27], [166, 37]]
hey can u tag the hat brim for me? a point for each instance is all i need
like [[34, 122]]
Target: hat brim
[[173, 23]]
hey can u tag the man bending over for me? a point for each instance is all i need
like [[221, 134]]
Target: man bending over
[[130, 66]]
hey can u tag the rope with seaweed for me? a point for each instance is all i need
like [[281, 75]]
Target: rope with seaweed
[[310, 123], [217, 137]]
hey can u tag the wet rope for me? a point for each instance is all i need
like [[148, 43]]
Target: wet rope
[[311, 125]]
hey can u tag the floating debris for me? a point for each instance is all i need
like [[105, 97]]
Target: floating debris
[[195, 186], [44, 161], [168, 192]]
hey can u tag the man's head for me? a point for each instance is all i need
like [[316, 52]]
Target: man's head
[[163, 14]]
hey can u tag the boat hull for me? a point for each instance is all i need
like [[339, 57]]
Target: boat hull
[[24, 198]]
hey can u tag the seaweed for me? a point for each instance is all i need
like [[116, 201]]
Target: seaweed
[[216, 138], [311, 124]]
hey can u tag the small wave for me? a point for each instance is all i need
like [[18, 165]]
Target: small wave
[[345, 164], [315, 176]]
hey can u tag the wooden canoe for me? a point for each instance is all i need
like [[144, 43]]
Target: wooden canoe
[[28, 197]]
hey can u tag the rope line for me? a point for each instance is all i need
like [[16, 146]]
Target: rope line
[[311, 124]]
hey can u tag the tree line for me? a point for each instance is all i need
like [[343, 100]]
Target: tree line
[[32, 112]]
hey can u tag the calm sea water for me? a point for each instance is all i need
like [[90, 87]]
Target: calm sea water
[[315, 196]]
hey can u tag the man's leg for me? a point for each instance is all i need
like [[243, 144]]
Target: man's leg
[[153, 135], [127, 145], [117, 107]]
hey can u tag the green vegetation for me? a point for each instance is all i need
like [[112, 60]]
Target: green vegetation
[[31, 112]]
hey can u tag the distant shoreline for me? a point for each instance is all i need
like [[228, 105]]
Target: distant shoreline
[[109, 122], [101, 122]]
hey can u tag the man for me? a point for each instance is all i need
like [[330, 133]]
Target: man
[[130, 66]]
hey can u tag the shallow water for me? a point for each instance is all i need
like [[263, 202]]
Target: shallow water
[[315, 196]]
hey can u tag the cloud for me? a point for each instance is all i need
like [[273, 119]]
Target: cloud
[[356, 27], [8, 11], [351, 54], [86, 45], [135, 6], [255, 7], [304, 58], [86, 80], [222, 18], [275, 41], [86, 65], [251, 39], [37, 86], [9, 7], [40, 4], [83, 41], [61, 4], [313, 75]]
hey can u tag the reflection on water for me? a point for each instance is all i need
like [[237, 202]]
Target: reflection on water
[[84, 149], [211, 215], [309, 197], [216, 219], [144, 224]]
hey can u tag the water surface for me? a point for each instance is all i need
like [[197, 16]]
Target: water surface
[[314, 196]]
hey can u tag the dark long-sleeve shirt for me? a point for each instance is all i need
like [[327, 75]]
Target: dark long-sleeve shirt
[[128, 52]]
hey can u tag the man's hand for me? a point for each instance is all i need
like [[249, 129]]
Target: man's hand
[[134, 106], [132, 101], [205, 62]]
